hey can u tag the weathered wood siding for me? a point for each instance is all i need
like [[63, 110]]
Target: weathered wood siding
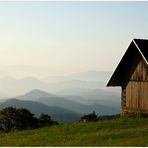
[[137, 95], [137, 89], [141, 72]]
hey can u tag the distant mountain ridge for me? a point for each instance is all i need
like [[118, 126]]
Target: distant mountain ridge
[[80, 92], [70, 104], [63, 109], [34, 95], [57, 113], [86, 80], [92, 75]]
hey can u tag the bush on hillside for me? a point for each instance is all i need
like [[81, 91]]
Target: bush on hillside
[[12, 118], [45, 120], [93, 117], [108, 117], [89, 117]]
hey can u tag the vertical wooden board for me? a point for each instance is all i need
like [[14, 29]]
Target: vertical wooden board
[[127, 94], [141, 72], [137, 95], [135, 92]]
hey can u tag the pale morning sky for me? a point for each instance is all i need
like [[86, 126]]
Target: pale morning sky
[[48, 38]]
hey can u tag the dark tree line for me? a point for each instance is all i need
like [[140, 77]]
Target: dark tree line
[[89, 117], [12, 119], [94, 117]]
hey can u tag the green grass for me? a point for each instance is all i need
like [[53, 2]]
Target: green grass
[[116, 132]]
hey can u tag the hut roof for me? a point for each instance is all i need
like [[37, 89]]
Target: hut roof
[[137, 50]]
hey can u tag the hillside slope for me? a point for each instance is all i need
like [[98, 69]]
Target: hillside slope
[[57, 113], [117, 132]]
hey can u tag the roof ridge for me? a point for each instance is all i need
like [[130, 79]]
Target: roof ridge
[[140, 39], [140, 51]]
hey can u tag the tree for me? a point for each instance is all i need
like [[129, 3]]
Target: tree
[[25, 119], [45, 120], [12, 118], [89, 117]]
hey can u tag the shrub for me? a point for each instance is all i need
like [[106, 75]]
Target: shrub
[[45, 120], [93, 117], [12, 118], [89, 117]]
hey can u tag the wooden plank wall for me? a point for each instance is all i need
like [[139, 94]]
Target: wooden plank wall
[[137, 89], [137, 95], [141, 72]]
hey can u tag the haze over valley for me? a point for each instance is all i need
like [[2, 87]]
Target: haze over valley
[[75, 95]]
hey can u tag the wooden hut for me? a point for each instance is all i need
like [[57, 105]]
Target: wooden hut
[[131, 75]]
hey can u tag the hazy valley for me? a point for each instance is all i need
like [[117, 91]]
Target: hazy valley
[[65, 98]]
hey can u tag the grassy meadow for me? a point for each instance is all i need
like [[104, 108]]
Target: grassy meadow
[[115, 132]]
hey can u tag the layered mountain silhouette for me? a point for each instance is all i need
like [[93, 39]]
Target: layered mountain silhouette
[[35, 95], [76, 94], [81, 108], [80, 82], [59, 108], [92, 75], [57, 113]]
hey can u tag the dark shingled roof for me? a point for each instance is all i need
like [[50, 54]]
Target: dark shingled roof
[[138, 49]]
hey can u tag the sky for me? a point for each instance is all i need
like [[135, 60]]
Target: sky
[[57, 38]]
